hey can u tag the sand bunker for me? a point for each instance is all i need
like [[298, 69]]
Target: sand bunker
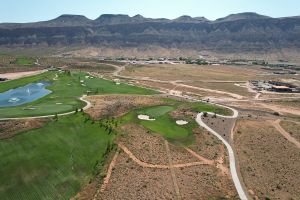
[[181, 122], [145, 117]]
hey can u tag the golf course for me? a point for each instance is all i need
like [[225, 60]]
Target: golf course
[[161, 122], [57, 159], [66, 89]]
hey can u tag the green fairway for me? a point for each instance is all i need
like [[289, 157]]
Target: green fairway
[[24, 61], [156, 111], [103, 86], [66, 89], [52, 162], [205, 107]]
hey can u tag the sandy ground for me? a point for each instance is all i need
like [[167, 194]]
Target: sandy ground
[[292, 127], [17, 75], [285, 134], [220, 125], [9, 129], [268, 162], [149, 167], [117, 105]]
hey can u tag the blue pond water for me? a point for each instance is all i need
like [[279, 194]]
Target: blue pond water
[[25, 94]]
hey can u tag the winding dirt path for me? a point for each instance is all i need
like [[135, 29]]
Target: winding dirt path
[[281, 109], [156, 166], [108, 175], [285, 134], [109, 171], [204, 160], [173, 174]]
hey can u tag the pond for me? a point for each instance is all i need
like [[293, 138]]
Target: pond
[[23, 95]]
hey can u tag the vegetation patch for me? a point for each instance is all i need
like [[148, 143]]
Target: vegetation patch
[[24, 61], [205, 107], [55, 161], [164, 124], [66, 89]]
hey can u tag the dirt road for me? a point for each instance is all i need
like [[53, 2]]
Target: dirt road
[[13, 76], [288, 136]]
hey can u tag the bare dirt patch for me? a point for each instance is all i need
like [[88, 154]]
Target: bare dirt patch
[[17, 75], [220, 125], [131, 181], [206, 144], [148, 167], [223, 86], [117, 105], [193, 181], [268, 162], [144, 145], [292, 127], [9, 129], [193, 72]]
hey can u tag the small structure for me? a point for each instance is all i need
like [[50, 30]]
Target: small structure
[[281, 88], [3, 79], [274, 86]]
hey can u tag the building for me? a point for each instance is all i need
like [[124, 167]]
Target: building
[[281, 88]]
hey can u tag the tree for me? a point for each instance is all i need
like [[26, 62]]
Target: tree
[[56, 117]]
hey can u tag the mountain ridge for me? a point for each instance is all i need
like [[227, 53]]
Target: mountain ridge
[[238, 32]]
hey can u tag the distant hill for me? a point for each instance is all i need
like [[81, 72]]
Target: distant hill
[[244, 32], [242, 16]]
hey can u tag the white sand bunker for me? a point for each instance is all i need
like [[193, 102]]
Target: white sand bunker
[[40, 84], [145, 117], [181, 122], [13, 100]]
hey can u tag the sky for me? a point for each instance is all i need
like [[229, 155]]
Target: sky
[[41, 10]]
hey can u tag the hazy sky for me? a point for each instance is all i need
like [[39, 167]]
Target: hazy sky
[[37, 10]]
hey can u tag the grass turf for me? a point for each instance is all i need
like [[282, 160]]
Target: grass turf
[[66, 90], [52, 162], [164, 124], [24, 61], [205, 107]]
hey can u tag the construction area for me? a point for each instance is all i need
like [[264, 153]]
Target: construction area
[[274, 86]]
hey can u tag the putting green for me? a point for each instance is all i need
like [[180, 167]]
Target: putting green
[[156, 111], [163, 124], [66, 89], [52, 162]]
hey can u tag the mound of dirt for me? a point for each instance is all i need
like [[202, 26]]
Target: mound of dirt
[[117, 105]]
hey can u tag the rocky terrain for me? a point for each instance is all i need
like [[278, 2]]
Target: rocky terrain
[[244, 32]]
